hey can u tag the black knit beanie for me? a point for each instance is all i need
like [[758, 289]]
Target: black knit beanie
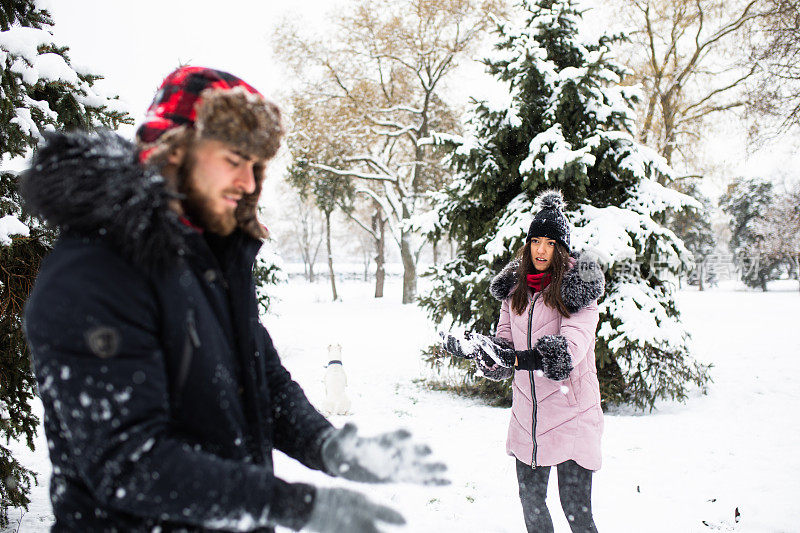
[[550, 221]]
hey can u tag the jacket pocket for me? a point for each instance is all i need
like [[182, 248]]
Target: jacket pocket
[[572, 390], [191, 342]]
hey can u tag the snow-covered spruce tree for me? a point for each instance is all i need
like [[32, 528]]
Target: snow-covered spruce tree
[[748, 202], [567, 124], [39, 91], [694, 229]]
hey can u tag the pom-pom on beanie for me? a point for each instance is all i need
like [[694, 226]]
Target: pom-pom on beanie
[[550, 221]]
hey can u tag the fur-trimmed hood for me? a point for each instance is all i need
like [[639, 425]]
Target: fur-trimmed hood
[[582, 284], [92, 185]]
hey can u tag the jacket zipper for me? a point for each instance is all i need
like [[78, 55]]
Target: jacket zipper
[[533, 385], [192, 343]]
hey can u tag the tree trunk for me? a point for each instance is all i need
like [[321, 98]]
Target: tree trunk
[[436, 252], [379, 226], [796, 262], [701, 274], [668, 114], [308, 265], [330, 254], [648, 120], [409, 269]]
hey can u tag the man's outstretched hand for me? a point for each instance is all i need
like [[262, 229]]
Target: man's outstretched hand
[[383, 458], [338, 510]]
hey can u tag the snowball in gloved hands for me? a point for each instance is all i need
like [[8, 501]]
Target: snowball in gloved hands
[[491, 350], [496, 349], [381, 459], [459, 346], [336, 510]]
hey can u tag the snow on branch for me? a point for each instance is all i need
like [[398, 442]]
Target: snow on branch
[[394, 199], [386, 207], [370, 160], [513, 222], [650, 197], [426, 222], [353, 173], [613, 233], [558, 153], [396, 108], [436, 138], [406, 130], [643, 318], [391, 124], [24, 42], [10, 225]]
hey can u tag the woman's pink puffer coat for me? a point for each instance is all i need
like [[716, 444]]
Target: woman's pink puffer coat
[[565, 416]]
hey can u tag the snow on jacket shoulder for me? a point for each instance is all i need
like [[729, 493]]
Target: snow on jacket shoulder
[[163, 394], [552, 422]]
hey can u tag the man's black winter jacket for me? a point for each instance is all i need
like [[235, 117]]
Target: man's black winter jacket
[[163, 394]]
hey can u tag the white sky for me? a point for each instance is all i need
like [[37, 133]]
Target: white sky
[[135, 44]]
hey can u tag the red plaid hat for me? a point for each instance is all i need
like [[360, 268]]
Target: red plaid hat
[[211, 104], [178, 100]]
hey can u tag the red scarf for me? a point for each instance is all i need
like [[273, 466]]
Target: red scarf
[[186, 222], [538, 282]]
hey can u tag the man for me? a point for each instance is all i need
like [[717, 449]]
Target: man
[[163, 394]]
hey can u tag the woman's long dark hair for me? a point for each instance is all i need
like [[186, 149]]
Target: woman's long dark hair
[[552, 293]]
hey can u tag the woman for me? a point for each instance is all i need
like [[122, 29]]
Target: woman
[[548, 320]]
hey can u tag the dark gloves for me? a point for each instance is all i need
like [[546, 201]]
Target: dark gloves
[[345, 511], [495, 372], [489, 368], [504, 353], [380, 459], [529, 360], [550, 355], [495, 355]]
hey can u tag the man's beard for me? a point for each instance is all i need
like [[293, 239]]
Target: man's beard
[[197, 206]]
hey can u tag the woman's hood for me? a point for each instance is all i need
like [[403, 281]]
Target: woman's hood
[[583, 283]]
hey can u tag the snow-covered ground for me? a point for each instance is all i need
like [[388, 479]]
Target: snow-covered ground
[[683, 468]]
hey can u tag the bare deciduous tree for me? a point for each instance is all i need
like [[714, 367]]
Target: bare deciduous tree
[[306, 232], [777, 49], [780, 230], [689, 57], [381, 73]]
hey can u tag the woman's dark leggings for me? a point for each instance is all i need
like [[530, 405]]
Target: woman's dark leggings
[[574, 489]]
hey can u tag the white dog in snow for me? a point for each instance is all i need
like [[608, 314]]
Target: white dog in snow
[[336, 400]]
